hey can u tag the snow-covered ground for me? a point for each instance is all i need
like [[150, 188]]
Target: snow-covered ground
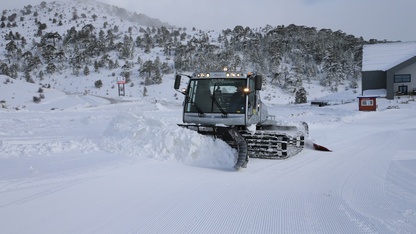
[[83, 164]]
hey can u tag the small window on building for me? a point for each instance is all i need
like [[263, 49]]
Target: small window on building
[[405, 78], [367, 103]]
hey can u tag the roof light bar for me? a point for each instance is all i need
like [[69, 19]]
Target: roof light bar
[[219, 75], [203, 75]]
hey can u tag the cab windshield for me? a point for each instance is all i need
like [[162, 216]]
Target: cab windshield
[[216, 96]]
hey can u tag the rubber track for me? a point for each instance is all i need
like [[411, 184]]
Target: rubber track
[[272, 145], [241, 144]]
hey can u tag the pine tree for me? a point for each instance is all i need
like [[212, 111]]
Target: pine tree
[[301, 96], [28, 77], [86, 71]]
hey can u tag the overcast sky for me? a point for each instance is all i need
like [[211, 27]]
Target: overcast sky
[[378, 19]]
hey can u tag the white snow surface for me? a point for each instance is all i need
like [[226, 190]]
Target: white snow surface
[[375, 93], [84, 164]]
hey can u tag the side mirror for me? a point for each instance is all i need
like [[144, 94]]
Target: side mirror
[[177, 82], [258, 82]]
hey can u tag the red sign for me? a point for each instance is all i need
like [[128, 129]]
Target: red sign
[[121, 80]]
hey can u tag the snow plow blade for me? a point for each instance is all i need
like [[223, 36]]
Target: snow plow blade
[[321, 148]]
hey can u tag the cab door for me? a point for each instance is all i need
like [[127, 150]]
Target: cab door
[[252, 113]]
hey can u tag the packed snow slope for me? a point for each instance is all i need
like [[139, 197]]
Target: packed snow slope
[[84, 164]]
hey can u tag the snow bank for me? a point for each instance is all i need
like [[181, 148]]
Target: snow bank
[[138, 136], [375, 92], [48, 146]]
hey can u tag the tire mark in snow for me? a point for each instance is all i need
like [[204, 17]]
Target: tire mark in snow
[[195, 219], [359, 223], [263, 205], [39, 187], [400, 188], [364, 191]]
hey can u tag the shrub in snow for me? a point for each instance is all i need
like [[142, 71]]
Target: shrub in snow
[[98, 84], [36, 99], [3, 104], [144, 92]]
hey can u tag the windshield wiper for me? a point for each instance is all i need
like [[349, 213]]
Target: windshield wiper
[[214, 100], [200, 112]]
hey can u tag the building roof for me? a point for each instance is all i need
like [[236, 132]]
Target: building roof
[[382, 57]]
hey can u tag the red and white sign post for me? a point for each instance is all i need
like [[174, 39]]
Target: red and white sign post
[[121, 81]]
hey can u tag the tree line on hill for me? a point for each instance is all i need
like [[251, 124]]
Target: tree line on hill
[[289, 56]]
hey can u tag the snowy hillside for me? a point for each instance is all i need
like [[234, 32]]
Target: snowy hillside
[[71, 45], [81, 14]]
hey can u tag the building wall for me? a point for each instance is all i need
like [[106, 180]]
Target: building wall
[[390, 84], [373, 80], [405, 68]]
